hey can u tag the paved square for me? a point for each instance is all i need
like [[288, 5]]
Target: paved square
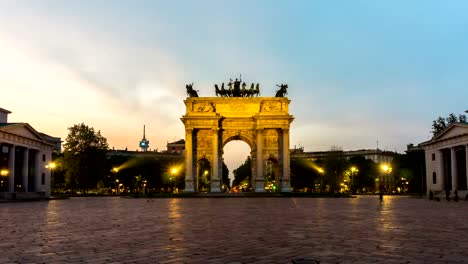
[[234, 230]]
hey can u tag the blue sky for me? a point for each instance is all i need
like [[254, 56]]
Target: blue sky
[[358, 71]]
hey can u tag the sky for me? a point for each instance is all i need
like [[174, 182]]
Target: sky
[[361, 74]]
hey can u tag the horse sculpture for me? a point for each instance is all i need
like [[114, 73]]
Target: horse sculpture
[[234, 89], [283, 90], [190, 91], [257, 90]]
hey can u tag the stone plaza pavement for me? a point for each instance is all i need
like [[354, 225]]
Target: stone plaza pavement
[[234, 230]]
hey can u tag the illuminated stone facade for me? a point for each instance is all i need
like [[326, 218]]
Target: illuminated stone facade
[[262, 122]]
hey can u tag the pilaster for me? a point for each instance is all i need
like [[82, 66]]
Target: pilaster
[[260, 179], [189, 177], [285, 180], [215, 177]]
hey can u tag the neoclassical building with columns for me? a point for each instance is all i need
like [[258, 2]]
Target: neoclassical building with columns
[[447, 160], [24, 153]]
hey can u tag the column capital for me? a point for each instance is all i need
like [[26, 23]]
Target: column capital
[[189, 129]]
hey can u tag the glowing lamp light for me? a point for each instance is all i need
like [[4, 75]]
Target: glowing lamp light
[[4, 172]]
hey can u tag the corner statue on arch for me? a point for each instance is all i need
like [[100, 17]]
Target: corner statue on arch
[[238, 113]]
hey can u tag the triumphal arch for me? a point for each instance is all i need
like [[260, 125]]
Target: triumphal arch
[[237, 113]]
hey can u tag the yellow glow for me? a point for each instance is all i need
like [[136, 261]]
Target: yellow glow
[[353, 169], [4, 172], [386, 168], [320, 170], [115, 170], [174, 170], [206, 172], [117, 180]]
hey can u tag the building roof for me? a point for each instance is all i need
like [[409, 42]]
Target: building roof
[[180, 141], [444, 133], [5, 111]]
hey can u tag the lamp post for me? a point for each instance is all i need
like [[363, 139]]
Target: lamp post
[[116, 181], [322, 172], [51, 166], [3, 173], [353, 170], [386, 171], [173, 173]]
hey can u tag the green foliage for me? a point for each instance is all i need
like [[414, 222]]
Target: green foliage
[[303, 174], [84, 157], [366, 174], [440, 124], [335, 166], [243, 173], [204, 176], [225, 177]]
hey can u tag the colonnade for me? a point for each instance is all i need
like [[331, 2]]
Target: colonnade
[[26, 169], [454, 166]]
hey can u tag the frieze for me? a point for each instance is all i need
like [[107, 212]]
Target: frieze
[[270, 106], [204, 108]]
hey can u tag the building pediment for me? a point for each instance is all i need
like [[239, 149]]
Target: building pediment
[[454, 130], [22, 129]]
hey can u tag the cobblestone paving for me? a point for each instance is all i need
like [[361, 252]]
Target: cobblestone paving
[[234, 230]]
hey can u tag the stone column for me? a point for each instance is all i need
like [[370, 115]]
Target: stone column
[[215, 179], [453, 160], [440, 177], [189, 179], [285, 180], [11, 169], [260, 179], [25, 170], [253, 168], [37, 171]]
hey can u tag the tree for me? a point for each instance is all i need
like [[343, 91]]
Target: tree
[[303, 174], [440, 124], [335, 166], [367, 172], [225, 176], [243, 172], [84, 157]]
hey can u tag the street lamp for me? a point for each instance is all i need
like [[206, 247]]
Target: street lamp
[[116, 181], [386, 170], [51, 166], [173, 173], [4, 172], [353, 170], [322, 172]]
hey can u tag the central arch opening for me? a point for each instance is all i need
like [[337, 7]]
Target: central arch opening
[[236, 156]]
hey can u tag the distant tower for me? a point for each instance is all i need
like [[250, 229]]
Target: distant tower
[[144, 143]]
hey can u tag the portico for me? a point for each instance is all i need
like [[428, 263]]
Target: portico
[[24, 155], [447, 160]]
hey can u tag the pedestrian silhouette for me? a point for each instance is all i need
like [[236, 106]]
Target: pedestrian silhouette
[[431, 195], [455, 197], [447, 195], [381, 196]]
